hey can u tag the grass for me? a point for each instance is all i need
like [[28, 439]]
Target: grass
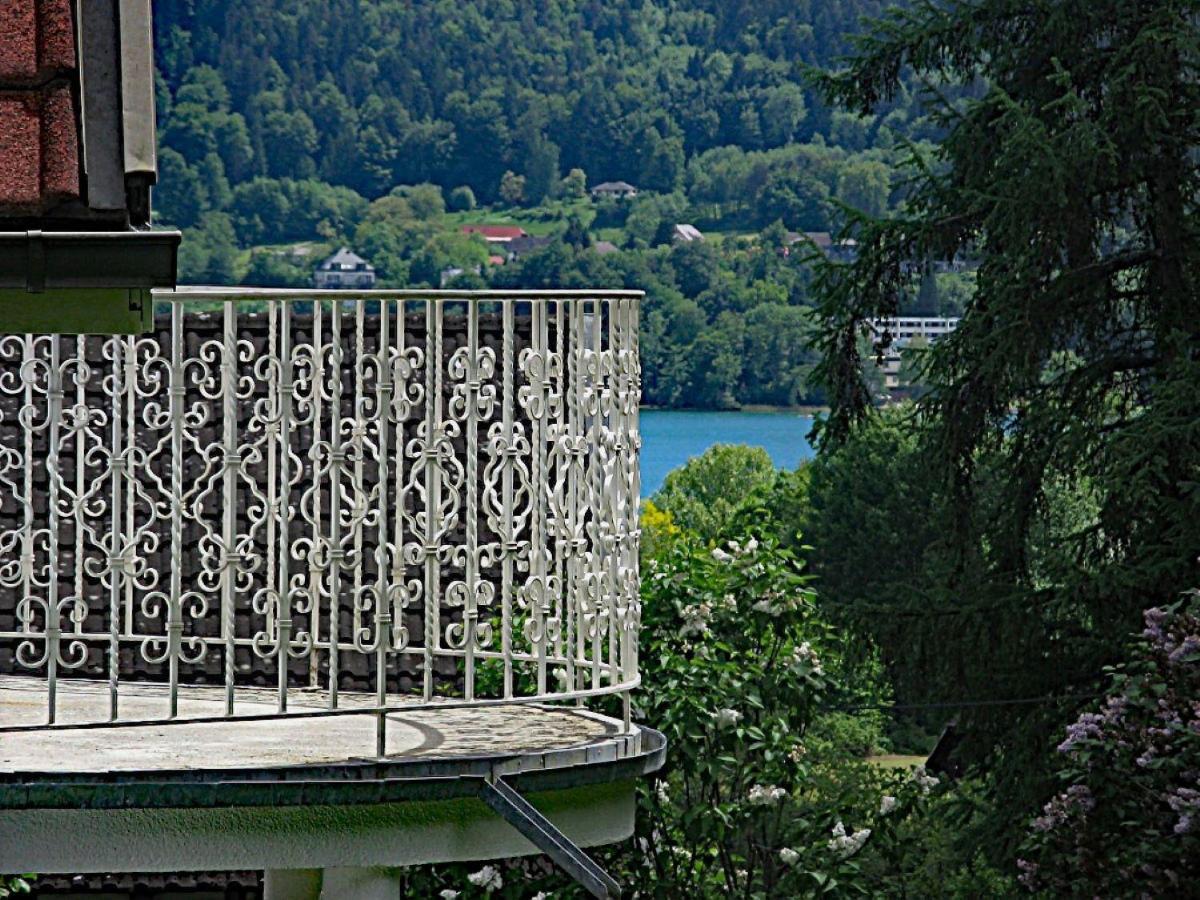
[[541, 220], [896, 761]]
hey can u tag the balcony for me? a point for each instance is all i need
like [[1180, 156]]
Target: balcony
[[308, 530]]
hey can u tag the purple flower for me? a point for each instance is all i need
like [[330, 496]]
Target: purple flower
[[1087, 726], [1055, 814], [1189, 648], [1029, 871], [1155, 617], [1080, 795]]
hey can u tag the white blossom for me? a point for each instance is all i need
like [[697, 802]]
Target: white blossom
[[721, 556], [662, 792], [487, 878], [695, 619], [887, 804], [797, 753], [751, 545], [789, 856], [767, 605], [804, 655], [766, 795], [727, 718], [846, 845], [449, 894], [924, 780]]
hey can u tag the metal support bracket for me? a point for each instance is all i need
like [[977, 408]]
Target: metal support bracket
[[543, 834]]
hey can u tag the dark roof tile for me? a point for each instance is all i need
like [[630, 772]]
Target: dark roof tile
[[39, 150], [20, 153], [60, 146], [39, 132], [37, 38]]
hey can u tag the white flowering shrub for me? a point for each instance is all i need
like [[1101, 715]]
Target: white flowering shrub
[[756, 798], [738, 668]]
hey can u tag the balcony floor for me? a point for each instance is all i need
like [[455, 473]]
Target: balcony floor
[[495, 731]]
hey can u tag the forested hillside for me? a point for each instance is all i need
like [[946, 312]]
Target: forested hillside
[[386, 126], [373, 94]]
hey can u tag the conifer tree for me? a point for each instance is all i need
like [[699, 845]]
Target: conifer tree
[[1065, 410]]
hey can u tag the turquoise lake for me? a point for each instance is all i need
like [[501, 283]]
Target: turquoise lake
[[671, 437]]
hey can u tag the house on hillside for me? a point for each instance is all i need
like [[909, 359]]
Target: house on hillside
[[686, 234], [345, 270], [523, 246], [616, 190], [839, 251], [452, 272], [496, 235]]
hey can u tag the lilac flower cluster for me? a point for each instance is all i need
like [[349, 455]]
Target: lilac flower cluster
[[1089, 726], [1175, 636], [1074, 800], [1029, 873], [1128, 818], [1185, 803], [1155, 619]]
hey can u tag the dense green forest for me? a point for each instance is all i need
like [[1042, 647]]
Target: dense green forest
[[384, 126], [368, 95]]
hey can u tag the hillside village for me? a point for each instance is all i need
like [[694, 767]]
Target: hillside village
[[727, 317]]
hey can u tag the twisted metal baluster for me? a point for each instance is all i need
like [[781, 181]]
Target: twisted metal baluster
[[175, 606], [571, 445], [335, 455], [117, 561], [315, 589], [130, 476], [357, 444], [54, 398], [563, 623], [284, 388], [27, 544], [506, 525], [79, 432], [433, 484], [383, 605], [231, 470], [595, 456]]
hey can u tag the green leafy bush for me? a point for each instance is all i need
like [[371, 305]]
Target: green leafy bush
[[11, 885], [704, 493], [756, 796]]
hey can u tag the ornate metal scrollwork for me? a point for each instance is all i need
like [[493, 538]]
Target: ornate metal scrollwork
[[386, 492]]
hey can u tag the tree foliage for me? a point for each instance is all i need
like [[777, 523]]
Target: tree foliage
[[1063, 416], [702, 495]]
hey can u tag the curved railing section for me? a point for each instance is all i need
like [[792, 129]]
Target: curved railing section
[[420, 497]]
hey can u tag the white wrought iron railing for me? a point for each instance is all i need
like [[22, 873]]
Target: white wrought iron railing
[[431, 497]]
